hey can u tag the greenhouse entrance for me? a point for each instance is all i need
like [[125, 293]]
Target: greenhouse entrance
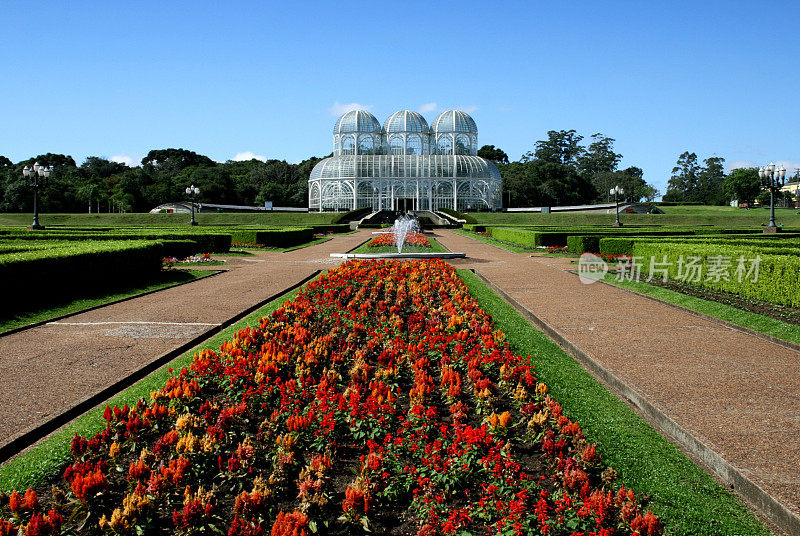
[[405, 204]]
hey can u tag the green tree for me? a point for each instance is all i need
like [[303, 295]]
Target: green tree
[[742, 184], [496, 155], [710, 182], [682, 186], [560, 147]]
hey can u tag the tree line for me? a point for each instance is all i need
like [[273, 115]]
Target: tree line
[[559, 171], [100, 185], [562, 171]]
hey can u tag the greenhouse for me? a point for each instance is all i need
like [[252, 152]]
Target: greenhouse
[[405, 165]]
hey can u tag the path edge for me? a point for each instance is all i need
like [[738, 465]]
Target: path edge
[[99, 306], [30, 437], [767, 505]]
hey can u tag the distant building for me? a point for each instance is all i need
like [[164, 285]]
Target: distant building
[[405, 165]]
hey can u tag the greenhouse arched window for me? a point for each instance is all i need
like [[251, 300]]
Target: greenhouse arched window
[[348, 145], [396, 145], [462, 145], [444, 146], [366, 145], [414, 145]]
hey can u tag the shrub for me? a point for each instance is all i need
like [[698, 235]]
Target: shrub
[[278, 238], [582, 244]]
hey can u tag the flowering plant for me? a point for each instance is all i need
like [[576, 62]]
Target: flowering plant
[[382, 394]]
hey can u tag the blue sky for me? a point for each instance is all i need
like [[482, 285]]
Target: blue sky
[[117, 79]]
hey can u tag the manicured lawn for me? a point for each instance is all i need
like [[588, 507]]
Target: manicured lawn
[[754, 321], [47, 458], [677, 215], [495, 242], [166, 279], [686, 498], [177, 220]]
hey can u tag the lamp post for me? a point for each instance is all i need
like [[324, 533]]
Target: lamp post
[[616, 191], [772, 178], [192, 191], [35, 177]]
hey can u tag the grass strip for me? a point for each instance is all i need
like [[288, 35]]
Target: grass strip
[[746, 319], [436, 247], [684, 496], [494, 242], [45, 459], [166, 279], [283, 250]]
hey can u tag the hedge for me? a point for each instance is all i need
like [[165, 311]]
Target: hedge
[[776, 281], [583, 244], [279, 238], [212, 241], [70, 270], [356, 214], [519, 237], [458, 215]]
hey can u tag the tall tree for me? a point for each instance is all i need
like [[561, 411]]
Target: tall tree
[[599, 157], [560, 147], [710, 182], [682, 185], [742, 185], [496, 155]]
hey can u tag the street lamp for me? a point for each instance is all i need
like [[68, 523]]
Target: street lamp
[[617, 191], [772, 178], [35, 178], [192, 191]]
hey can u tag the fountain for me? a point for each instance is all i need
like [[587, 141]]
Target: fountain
[[402, 226]]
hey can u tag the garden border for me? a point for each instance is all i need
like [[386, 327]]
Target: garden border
[[93, 307], [28, 438], [735, 479]]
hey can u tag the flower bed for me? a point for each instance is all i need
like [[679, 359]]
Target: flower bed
[[205, 258], [381, 398], [418, 240]]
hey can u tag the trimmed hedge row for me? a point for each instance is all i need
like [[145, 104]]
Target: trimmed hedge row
[[207, 242], [71, 270], [776, 280], [458, 215], [582, 244], [274, 237]]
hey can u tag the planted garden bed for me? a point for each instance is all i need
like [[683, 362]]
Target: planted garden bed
[[382, 397]]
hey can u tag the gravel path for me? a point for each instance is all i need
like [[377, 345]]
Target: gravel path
[[738, 394], [50, 368]]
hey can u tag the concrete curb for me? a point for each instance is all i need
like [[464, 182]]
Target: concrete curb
[[29, 437], [752, 493]]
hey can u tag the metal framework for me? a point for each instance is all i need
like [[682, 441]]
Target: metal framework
[[405, 165]]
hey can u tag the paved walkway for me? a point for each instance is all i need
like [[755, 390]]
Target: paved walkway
[[738, 394], [47, 369]]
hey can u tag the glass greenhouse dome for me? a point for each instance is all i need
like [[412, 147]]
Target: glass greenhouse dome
[[405, 165]]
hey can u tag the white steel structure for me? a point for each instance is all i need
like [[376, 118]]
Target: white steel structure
[[405, 165]]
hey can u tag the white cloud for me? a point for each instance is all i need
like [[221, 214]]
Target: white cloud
[[123, 159], [736, 164], [339, 108], [791, 167], [248, 155], [468, 109], [427, 107]]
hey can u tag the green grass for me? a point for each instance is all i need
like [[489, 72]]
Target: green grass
[[747, 319], [494, 242], [686, 498], [436, 247], [46, 459], [166, 279], [677, 215], [180, 221]]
